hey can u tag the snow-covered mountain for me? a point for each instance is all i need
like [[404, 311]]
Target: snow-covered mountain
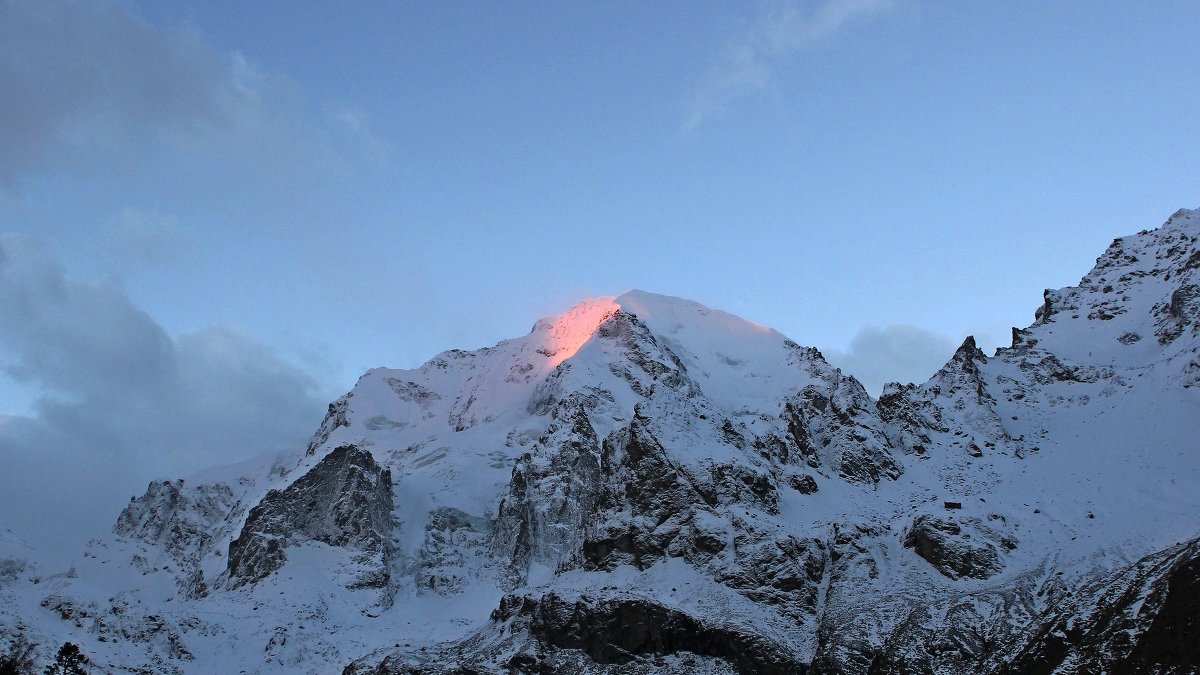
[[643, 484]]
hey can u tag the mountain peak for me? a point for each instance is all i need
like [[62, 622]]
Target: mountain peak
[[1145, 285], [641, 459], [672, 312], [561, 336], [684, 323]]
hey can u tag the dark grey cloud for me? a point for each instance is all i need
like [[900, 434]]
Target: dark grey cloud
[[87, 82], [121, 401], [897, 353], [87, 78]]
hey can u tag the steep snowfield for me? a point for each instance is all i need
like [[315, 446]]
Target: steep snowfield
[[643, 484]]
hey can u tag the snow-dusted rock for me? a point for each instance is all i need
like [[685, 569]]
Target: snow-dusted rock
[[344, 501], [646, 485], [1143, 618], [959, 548]]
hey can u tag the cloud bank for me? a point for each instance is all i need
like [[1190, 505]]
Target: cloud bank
[[748, 64], [88, 82], [897, 353], [92, 90], [122, 402]]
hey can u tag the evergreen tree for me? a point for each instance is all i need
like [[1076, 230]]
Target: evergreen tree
[[70, 661]]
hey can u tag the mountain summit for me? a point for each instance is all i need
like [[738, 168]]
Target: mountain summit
[[646, 485]]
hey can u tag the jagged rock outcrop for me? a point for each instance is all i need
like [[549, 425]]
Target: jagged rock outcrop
[[654, 507], [335, 418], [1143, 619], [841, 431], [181, 521], [453, 540], [954, 409], [958, 547], [1178, 314], [619, 630], [345, 500], [174, 526], [649, 504], [552, 493]]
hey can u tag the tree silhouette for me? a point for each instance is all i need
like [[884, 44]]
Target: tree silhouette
[[70, 661], [18, 660]]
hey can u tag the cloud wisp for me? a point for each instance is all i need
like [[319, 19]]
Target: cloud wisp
[[748, 63], [897, 353], [122, 402]]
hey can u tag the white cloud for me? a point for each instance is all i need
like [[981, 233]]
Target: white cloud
[[748, 63], [120, 401], [896, 353]]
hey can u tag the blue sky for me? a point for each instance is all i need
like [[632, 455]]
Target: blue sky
[[248, 204]]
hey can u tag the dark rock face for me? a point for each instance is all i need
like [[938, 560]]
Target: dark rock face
[[651, 359], [344, 501], [956, 635], [843, 431], [619, 630], [653, 508], [542, 516], [1173, 638], [779, 571], [1179, 313], [912, 417], [644, 486], [804, 484], [944, 543], [1143, 619]]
